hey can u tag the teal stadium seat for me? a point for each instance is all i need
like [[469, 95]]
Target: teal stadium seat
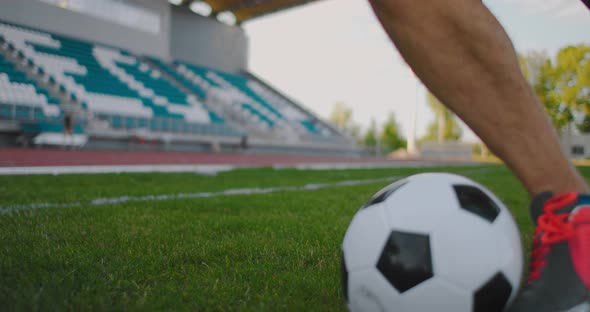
[[117, 86], [21, 98], [97, 82], [186, 83], [164, 88], [265, 111]]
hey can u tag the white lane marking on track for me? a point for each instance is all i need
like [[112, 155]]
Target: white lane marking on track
[[213, 169], [166, 197], [57, 170]]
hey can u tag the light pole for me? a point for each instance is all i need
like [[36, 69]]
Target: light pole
[[412, 134]]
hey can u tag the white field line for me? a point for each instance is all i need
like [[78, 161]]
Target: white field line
[[229, 192], [168, 197], [374, 165]]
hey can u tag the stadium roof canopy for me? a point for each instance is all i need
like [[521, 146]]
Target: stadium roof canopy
[[245, 10]]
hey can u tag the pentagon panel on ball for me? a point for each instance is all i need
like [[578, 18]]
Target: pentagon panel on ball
[[432, 242]]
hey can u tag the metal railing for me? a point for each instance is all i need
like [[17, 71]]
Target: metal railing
[[166, 125], [32, 114], [18, 112], [32, 120]]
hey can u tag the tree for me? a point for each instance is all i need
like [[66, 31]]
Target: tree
[[370, 139], [545, 88], [341, 116], [584, 125], [532, 65], [543, 77], [572, 78], [445, 126], [562, 86], [391, 137]]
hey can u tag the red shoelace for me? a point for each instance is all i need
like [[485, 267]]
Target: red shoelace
[[551, 228]]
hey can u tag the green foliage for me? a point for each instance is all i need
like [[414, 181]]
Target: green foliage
[[480, 149], [562, 85], [391, 137], [572, 72], [341, 116], [584, 125], [370, 139], [532, 65], [445, 126]]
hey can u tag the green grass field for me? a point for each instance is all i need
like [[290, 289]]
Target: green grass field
[[276, 251]]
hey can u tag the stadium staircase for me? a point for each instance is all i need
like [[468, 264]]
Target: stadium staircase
[[260, 107], [182, 83], [268, 91], [115, 94]]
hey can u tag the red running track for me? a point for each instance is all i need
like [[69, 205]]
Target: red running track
[[12, 157]]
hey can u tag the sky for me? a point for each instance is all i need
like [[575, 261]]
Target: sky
[[336, 51]]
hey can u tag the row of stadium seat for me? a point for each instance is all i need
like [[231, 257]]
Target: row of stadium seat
[[287, 110], [131, 92], [203, 88], [20, 96], [209, 79], [107, 80], [252, 99], [181, 79]]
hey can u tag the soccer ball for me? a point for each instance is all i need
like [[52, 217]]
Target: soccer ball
[[432, 242]]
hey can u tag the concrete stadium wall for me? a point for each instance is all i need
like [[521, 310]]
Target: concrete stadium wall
[[36, 14], [184, 35], [576, 146], [205, 41]]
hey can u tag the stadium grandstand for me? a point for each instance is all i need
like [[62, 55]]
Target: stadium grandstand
[[159, 75]]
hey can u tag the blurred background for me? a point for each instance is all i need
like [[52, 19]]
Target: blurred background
[[289, 77]]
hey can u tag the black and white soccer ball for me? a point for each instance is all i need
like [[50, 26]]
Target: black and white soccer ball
[[432, 242]]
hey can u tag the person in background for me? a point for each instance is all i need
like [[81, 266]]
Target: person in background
[[68, 128]]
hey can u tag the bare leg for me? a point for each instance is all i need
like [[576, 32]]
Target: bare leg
[[463, 55]]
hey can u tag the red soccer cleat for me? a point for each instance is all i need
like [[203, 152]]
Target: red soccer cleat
[[559, 277]]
